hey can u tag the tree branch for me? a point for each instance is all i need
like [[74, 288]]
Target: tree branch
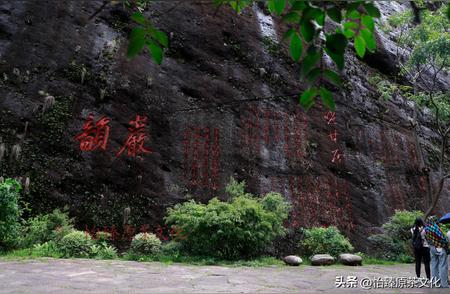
[[105, 3], [438, 125]]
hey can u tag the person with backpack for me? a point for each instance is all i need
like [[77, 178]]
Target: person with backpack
[[420, 246], [448, 253], [438, 250]]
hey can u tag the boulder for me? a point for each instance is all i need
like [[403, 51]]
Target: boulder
[[350, 259], [293, 260], [322, 259]]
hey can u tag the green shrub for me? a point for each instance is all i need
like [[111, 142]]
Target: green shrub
[[47, 249], [138, 257], [405, 258], [145, 244], [172, 248], [400, 224], [76, 244], [240, 228], [108, 252], [103, 251], [236, 189], [9, 213], [43, 228], [395, 242], [325, 241], [102, 237], [385, 247], [385, 88]]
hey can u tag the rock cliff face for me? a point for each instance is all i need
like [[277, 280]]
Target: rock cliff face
[[222, 104]]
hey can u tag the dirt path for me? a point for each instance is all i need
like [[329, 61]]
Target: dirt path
[[93, 276]]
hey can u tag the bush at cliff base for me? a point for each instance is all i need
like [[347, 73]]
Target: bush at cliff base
[[44, 228], [395, 241], [320, 240], [76, 244], [9, 213], [239, 228], [145, 244]]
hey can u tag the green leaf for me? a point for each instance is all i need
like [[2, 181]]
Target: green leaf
[[333, 77], [136, 42], [327, 99], [313, 75], [156, 52], [348, 33], [360, 46], [353, 14], [292, 17], [369, 39], [372, 10], [138, 33], [279, 6], [320, 19], [296, 47], [307, 30], [161, 37], [337, 58], [353, 5], [307, 98], [448, 11], [288, 34], [298, 5], [311, 12], [271, 6], [139, 18], [350, 25], [310, 60], [316, 14], [335, 14], [368, 22], [336, 43], [237, 5]]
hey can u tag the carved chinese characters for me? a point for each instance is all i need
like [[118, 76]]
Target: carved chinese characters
[[95, 135], [201, 157]]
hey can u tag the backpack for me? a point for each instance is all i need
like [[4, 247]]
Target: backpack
[[417, 240]]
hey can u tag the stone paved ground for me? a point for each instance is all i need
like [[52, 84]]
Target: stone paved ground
[[93, 276]]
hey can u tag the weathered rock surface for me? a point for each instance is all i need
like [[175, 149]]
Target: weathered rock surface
[[350, 259], [293, 260], [212, 113], [322, 259]]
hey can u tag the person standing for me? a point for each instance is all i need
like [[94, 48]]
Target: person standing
[[420, 246], [438, 250], [448, 253]]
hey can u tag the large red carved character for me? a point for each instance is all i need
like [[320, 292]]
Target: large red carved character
[[135, 140], [94, 135]]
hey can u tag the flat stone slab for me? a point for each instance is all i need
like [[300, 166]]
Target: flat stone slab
[[76, 276]]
